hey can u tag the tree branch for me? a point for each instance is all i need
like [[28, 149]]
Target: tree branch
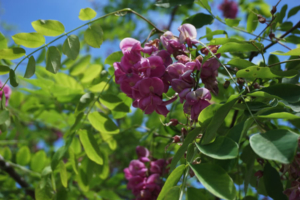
[[5, 166], [172, 17]]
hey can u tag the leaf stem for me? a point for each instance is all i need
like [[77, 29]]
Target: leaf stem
[[283, 62]]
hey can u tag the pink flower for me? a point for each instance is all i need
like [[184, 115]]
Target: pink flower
[[152, 66], [151, 46], [188, 34], [165, 56], [142, 153], [136, 167], [172, 44], [209, 75], [7, 92], [158, 166], [127, 173], [213, 48], [196, 101], [183, 59], [229, 8]]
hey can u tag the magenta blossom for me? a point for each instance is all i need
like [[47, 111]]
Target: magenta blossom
[[229, 8], [136, 167], [151, 46], [188, 34], [196, 101], [209, 75], [142, 153], [7, 92], [172, 44], [158, 166]]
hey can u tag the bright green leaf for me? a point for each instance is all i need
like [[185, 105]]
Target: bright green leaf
[[240, 63], [38, 161], [30, 40], [48, 27], [30, 69], [252, 22], [92, 72], [173, 193], [293, 52], [239, 47], [264, 72], [53, 63], [103, 123], [44, 191], [23, 156], [280, 115], [3, 42], [63, 174], [171, 181], [71, 47], [199, 20], [114, 57], [90, 145], [215, 180], [12, 53], [93, 36], [73, 160], [232, 22], [80, 66], [278, 145], [170, 3], [222, 148], [86, 14]]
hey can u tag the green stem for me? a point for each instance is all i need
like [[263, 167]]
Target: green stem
[[182, 189], [283, 62], [65, 34]]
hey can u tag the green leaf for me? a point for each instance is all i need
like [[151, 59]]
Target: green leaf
[[80, 66], [73, 160], [217, 120], [3, 42], [71, 47], [264, 72], [248, 157], [76, 146], [23, 156], [90, 146], [170, 3], [30, 69], [194, 193], [171, 181], [114, 57], [252, 22], [273, 183], [109, 194], [30, 40], [222, 148], [13, 78], [4, 69], [204, 4], [93, 36], [92, 72], [6, 153], [173, 193], [63, 174], [221, 41], [84, 101], [48, 27], [273, 60], [280, 115], [293, 52], [293, 11], [12, 53], [44, 191], [239, 47], [53, 57], [3, 103], [278, 145], [199, 20], [38, 161], [103, 123], [281, 14], [288, 92], [240, 63], [86, 14], [179, 154], [4, 115], [232, 22], [215, 180], [209, 35]]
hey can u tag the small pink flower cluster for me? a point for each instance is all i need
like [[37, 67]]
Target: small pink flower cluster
[[145, 182], [7, 92], [146, 78], [229, 8]]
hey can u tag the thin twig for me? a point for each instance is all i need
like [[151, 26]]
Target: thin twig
[[172, 17], [283, 62]]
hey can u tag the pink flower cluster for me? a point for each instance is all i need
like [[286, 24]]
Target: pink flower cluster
[[7, 92], [145, 182], [145, 73], [229, 8]]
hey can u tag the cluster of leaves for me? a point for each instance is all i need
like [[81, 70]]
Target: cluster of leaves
[[76, 101]]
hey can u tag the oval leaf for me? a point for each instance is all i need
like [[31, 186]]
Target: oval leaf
[[93, 36], [252, 22], [171, 181], [63, 174], [30, 40], [239, 47], [215, 180], [12, 53], [38, 161], [114, 57], [90, 146], [4, 69], [102, 123], [23, 156], [278, 145], [3, 42], [222, 148], [173, 193], [53, 57], [264, 72], [48, 27], [30, 70], [13, 78], [87, 14], [280, 115], [199, 20], [71, 47], [293, 52]]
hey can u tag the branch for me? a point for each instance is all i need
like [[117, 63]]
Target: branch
[[172, 17], [12, 173]]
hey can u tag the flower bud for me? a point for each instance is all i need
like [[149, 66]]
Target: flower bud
[[273, 11], [260, 161], [173, 122], [261, 19], [256, 86], [226, 84], [184, 131], [259, 174], [176, 139], [271, 36], [240, 81], [200, 58]]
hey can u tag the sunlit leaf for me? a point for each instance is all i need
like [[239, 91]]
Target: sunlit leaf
[[87, 14], [12, 53], [93, 36], [53, 58], [71, 47], [30, 40], [103, 123], [23, 156], [48, 27], [63, 174], [30, 69]]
